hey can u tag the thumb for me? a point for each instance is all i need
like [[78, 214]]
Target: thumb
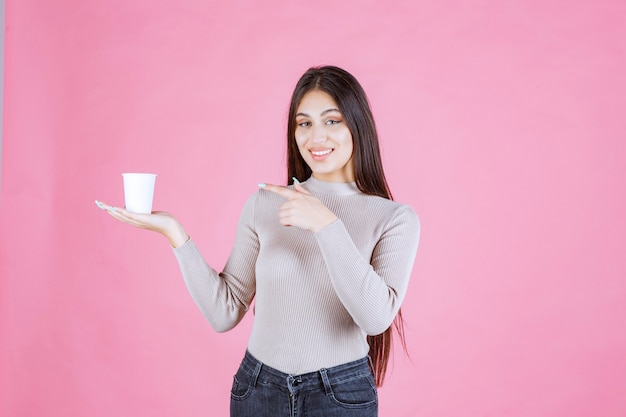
[[299, 188]]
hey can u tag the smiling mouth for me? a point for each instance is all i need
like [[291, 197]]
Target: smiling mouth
[[319, 155]]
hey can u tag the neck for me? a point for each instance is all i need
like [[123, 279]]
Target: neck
[[326, 187]]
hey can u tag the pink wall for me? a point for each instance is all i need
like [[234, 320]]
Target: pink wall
[[502, 123]]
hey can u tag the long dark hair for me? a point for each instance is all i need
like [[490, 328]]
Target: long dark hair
[[368, 169]]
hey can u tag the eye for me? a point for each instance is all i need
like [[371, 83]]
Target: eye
[[332, 122], [304, 124]]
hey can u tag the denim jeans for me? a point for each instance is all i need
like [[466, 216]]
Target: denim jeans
[[346, 390]]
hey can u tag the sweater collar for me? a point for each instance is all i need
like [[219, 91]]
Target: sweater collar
[[335, 188]]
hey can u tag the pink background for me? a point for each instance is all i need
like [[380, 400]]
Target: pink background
[[502, 124]]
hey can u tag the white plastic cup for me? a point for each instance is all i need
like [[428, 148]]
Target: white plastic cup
[[139, 192]]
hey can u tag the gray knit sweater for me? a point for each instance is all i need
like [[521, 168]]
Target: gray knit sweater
[[318, 295]]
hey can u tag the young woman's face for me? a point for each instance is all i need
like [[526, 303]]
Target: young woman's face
[[324, 140]]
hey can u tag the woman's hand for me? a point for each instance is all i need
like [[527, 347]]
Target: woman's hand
[[302, 209], [158, 221]]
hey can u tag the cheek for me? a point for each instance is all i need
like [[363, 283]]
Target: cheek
[[300, 143], [300, 139], [346, 139]]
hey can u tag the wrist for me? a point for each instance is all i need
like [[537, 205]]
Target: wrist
[[176, 235], [329, 220]]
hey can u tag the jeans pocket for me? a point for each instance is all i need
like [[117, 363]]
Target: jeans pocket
[[242, 385], [358, 392]]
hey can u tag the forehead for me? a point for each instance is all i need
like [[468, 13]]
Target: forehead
[[316, 101]]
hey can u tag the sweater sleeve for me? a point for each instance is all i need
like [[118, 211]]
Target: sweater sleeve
[[372, 290], [224, 297]]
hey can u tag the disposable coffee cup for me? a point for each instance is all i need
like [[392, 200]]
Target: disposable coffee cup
[[139, 192]]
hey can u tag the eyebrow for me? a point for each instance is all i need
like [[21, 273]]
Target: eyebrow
[[322, 114]]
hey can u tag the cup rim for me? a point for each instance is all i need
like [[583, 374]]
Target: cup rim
[[138, 173]]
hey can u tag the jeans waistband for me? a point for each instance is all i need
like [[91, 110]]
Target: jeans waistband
[[311, 380]]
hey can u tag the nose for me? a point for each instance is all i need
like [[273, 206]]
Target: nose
[[319, 134]]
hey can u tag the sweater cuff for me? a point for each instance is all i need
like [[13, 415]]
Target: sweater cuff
[[330, 230], [185, 250]]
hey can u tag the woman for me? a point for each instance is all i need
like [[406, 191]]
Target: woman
[[328, 261]]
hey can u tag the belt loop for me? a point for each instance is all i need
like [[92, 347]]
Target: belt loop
[[324, 375], [371, 364], [255, 374]]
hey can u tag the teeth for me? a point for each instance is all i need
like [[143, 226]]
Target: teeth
[[321, 153]]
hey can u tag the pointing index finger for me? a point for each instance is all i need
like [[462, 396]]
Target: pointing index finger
[[280, 190]]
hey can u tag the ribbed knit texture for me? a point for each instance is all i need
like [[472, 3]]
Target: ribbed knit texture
[[318, 295]]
